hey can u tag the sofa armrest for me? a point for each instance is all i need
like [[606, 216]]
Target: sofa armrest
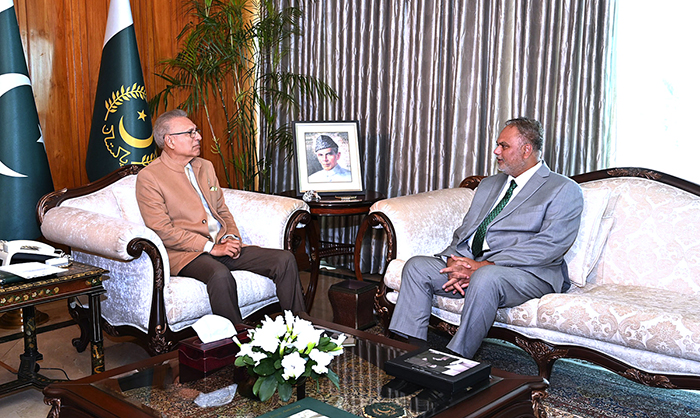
[[96, 233], [422, 223], [261, 218]]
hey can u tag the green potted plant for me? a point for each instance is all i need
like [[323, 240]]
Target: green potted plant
[[230, 62], [285, 351]]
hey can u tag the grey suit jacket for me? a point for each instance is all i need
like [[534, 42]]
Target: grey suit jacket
[[533, 232]]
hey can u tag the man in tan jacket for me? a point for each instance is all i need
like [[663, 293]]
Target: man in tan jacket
[[180, 199]]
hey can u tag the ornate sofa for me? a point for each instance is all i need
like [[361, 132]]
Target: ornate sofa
[[635, 271], [102, 225]]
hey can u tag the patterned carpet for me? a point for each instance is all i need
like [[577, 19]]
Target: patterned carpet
[[579, 389]]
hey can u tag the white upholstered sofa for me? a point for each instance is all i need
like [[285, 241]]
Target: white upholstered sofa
[[102, 225], [634, 303]]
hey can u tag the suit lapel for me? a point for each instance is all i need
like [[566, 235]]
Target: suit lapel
[[534, 184], [488, 203]]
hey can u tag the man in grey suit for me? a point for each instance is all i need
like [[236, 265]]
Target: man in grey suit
[[509, 249]]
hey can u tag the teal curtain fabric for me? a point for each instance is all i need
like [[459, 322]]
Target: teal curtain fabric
[[432, 83]]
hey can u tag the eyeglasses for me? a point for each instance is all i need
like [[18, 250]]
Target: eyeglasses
[[192, 133]]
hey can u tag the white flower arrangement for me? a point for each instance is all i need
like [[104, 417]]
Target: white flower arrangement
[[284, 351]]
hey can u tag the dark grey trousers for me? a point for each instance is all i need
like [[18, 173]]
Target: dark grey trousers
[[491, 287], [279, 265]]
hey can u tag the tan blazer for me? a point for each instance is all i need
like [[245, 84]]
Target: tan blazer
[[171, 207]]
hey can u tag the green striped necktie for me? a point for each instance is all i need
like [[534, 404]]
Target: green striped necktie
[[480, 234]]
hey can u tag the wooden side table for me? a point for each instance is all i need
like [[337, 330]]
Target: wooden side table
[[335, 206], [352, 302], [78, 279]]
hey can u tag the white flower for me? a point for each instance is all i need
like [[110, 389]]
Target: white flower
[[246, 350], [268, 336], [289, 319], [258, 356], [306, 335], [322, 360], [339, 342], [294, 365], [290, 343], [276, 327], [266, 341]]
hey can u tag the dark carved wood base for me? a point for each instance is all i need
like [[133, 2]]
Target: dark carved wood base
[[55, 404], [546, 354], [538, 397], [82, 317]]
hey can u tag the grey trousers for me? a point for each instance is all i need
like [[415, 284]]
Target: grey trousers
[[491, 287], [278, 265]]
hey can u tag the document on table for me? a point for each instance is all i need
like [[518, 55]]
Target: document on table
[[31, 270]]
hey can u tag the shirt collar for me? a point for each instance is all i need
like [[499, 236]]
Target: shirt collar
[[522, 179]]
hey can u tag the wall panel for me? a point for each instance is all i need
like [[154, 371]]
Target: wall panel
[[63, 43]]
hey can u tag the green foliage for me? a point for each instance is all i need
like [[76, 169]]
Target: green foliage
[[287, 351], [285, 391], [232, 63], [267, 388]]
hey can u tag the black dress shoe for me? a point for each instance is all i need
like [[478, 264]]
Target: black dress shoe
[[422, 344]]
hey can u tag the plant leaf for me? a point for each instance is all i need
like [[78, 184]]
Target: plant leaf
[[267, 388], [266, 367], [333, 378], [256, 386], [285, 391]]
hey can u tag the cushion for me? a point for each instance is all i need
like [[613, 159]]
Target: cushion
[[654, 242], [592, 234], [125, 194], [186, 299], [658, 321], [101, 201]]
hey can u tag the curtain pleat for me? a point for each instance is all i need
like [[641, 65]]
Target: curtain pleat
[[432, 83]]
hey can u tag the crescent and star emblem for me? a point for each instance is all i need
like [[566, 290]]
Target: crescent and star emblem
[[8, 82], [131, 140]]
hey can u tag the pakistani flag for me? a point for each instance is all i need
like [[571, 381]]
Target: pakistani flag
[[121, 131], [24, 168]]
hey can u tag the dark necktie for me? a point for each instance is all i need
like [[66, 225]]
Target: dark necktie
[[480, 234]]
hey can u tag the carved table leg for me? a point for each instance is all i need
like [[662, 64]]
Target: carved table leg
[[96, 343]]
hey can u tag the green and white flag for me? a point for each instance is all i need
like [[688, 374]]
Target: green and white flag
[[121, 131], [24, 168]]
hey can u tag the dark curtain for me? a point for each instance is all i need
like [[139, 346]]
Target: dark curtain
[[432, 83]]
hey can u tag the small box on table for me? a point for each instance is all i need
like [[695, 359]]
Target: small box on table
[[199, 360], [437, 370], [353, 303]]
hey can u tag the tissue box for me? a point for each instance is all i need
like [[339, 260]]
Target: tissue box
[[198, 360]]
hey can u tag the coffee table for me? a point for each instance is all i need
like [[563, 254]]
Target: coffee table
[[151, 388]]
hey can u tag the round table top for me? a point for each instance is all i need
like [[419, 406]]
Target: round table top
[[341, 204]]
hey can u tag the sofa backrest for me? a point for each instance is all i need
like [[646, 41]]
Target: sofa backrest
[[117, 200], [261, 218], [653, 240], [424, 222]]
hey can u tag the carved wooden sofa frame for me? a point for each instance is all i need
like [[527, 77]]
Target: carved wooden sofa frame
[[160, 337], [544, 353]]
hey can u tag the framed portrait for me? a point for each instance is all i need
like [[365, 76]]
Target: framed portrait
[[328, 157]]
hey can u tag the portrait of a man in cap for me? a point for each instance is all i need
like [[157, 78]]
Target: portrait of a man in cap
[[328, 155]]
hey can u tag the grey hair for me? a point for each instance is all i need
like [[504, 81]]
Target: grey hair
[[530, 130], [162, 125]]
